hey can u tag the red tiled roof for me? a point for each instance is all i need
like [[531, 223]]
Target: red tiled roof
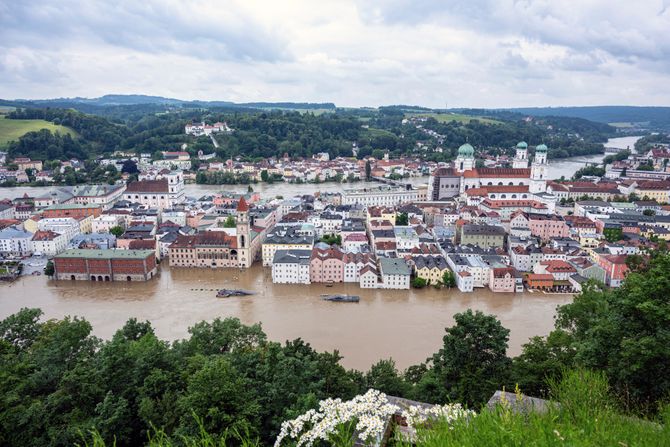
[[148, 186], [242, 205]]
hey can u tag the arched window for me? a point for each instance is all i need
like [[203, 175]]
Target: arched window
[[128, 278], [72, 277], [511, 184], [92, 277], [500, 183], [514, 196]]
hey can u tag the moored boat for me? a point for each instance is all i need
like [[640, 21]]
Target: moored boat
[[341, 298]]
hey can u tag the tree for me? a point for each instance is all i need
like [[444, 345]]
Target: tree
[[471, 364], [419, 283], [117, 230], [49, 270], [624, 172], [401, 219], [129, 167], [383, 376], [368, 170], [449, 279], [649, 212], [264, 175], [229, 222]]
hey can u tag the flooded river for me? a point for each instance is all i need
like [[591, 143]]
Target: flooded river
[[405, 325]]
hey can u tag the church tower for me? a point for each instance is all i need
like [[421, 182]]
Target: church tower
[[243, 234], [466, 158], [521, 157], [539, 170]]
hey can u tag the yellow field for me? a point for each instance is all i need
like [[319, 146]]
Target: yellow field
[[458, 117], [14, 129]]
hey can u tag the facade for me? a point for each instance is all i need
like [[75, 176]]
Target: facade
[[105, 265], [381, 196], [327, 265], [291, 267], [49, 242], [73, 210], [395, 273], [547, 227], [430, 268], [164, 191], [502, 279], [451, 182], [284, 238], [67, 226], [15, 242], [101, 195], [482, 235]]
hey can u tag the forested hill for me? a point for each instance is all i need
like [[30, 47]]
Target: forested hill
[[398, 130], [652, 117]]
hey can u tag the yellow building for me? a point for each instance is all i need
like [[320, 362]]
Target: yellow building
[[589, 240], [430, 268]]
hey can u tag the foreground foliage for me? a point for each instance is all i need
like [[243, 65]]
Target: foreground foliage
[[57, 380]]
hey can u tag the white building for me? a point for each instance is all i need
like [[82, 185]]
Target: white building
[[395, 273], [67, 226], [104, 222], [49, 243], [291, 267], [165, 190], [382, 196], [369, 278], [465, 281], [15, 242]]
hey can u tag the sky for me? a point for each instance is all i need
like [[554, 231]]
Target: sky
[[470, 53]]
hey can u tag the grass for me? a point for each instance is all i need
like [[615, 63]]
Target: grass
[[458, 117], [372, 132], [587, 416], [14, 129], [628, 125]]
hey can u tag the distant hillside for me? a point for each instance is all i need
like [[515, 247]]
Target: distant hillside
[[12, 130], [650, 117], [130, 100]]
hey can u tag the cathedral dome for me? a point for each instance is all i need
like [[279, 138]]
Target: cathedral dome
[[466, 150], [522, 145], [541, 148]]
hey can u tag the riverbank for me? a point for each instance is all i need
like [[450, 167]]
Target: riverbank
[[405, 325]]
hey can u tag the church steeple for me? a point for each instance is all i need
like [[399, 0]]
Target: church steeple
[[242, 223]]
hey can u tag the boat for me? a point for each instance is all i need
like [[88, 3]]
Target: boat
[[225, 293], [341, 298], [329, 284]]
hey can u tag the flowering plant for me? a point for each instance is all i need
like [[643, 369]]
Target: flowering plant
[[368, 415]]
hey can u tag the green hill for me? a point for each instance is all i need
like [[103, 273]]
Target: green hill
[[458, 117], [14, 129]]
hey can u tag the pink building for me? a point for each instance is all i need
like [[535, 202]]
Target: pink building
[[502, 279], [615, 269], [326, 265], [547, 227]]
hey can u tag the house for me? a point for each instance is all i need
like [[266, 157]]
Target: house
[[430, 268], [465, 281], [502, 279], [369, 277], [482, 235], [15, 242], [395, 273], [615, 269], [291, 266], [326, 264], [49, 243]]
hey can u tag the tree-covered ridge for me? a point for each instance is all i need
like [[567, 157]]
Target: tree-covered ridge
[[58, 379], [147, 128]]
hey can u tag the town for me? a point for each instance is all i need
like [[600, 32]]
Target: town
[[507, 229]]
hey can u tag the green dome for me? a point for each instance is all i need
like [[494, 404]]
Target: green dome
[[466, 150], [541, 148], [522, 145]]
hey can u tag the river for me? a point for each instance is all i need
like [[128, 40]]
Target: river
[[405, 325], [568, 166]]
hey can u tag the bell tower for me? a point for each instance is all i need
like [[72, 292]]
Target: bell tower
[[243, 234]]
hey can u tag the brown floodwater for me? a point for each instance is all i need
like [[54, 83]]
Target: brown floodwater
[[406, 325]]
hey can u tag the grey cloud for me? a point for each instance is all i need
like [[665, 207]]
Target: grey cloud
[[148, 26]]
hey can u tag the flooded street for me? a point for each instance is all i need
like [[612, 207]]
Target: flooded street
[[405, 325]]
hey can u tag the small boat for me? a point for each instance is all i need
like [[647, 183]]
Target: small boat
[[329, 284], [225, 293], [341, 298]]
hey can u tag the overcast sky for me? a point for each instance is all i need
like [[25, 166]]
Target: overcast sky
[[470, 53]]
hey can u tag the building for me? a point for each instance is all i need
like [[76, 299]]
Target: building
[[74, 210], [285, 237], [454, 181], [67, 226], [430, 268], [164, 191], [15, 242], [502, 279], [215, 249], [291, 267], [482, 235], [615, 269], [382, 196], [49, 243], [395, 273], [105, 265], [102, 195], [326, 264]]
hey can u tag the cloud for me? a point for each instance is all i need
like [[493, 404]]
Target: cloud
[[478, 53]]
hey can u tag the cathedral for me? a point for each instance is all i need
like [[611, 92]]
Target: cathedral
[[518, 182]]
